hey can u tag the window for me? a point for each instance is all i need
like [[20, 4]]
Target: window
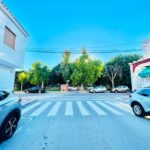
[[3, 95], [145, 92], [9, 38]]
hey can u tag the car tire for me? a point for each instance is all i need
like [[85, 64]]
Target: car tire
[[116, 91], [9, 127], [138, 110]]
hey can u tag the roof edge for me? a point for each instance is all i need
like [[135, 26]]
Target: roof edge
[[5, 9]]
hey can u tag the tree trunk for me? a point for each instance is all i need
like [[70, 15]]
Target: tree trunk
[[42, 86], [82, 87], [112, 82]]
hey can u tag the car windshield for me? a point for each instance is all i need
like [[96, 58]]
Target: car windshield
[[3, 95]]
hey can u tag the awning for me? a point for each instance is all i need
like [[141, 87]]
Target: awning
[[145, 72]]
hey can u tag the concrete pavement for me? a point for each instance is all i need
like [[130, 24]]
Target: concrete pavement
[[80, 122]]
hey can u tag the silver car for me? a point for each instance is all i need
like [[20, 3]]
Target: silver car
[[10, 112], [120, 89], [140, 102], [98, 89]]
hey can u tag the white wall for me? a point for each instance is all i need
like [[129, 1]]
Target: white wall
[[7, 77], [10, 59], [12, 56]]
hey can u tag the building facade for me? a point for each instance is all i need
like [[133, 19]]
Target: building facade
[[140, 70], [13, 39]]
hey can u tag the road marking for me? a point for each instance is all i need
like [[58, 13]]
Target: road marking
[[55, 109], [120, 107], [30, 107], [69, 109], [82, 109], [109, 108], [41, 109], [95, 108], [125, 107]]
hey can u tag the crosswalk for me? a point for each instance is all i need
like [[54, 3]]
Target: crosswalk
[[72, 108]]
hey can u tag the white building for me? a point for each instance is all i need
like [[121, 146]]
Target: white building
[[140, 70], [13, 39]]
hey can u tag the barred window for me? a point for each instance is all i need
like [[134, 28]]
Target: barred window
[[9, 38]]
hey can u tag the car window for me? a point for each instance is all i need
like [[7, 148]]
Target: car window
[[147, 92], [3, 95], [144, 92]]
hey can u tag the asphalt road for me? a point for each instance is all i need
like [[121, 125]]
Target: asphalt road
[[80, 122]]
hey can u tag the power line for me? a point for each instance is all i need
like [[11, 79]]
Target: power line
[[94, 51]]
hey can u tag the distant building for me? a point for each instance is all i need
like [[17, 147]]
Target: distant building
[[13, 38], [140, 70]]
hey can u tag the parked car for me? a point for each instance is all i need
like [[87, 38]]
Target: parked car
[[121, 89], [10, 112], [90, 88], [140, 102], [35, 90], [72, 88], [98, 89]]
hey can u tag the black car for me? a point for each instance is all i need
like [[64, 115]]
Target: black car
[[35, 90]]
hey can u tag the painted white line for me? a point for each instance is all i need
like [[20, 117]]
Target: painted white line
[[120, 107], [82, 109], [109, 108], [125, 107], [55, 109], [41, 109], [30, 107], [96, 108], [69, 109], [18, 130]]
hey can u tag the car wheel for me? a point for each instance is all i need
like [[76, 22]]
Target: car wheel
[[9, 127], [127, 91], [116, 91], [138, 110]]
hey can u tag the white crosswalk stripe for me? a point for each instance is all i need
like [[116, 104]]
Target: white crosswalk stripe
[[69, 109], [41, 109], [82, 109], [109, 108], [119, 107], [55, 109], [30, 107], [96, 108]]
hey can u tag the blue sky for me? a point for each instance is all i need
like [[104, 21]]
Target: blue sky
[[81, 23]]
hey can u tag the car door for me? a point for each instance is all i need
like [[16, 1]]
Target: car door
[[145, 97]]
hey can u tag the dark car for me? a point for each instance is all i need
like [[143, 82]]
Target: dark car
[[35, 90]]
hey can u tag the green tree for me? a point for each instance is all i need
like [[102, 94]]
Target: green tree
[[65, 66], [22, 77], [55, 77], [123, 61], [38, 74], [85, 70]]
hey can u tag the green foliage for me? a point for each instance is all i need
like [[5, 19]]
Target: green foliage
[[38, 74], [123, 61], [85, 70], [22, 78], [55, 76], [65, 67]]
